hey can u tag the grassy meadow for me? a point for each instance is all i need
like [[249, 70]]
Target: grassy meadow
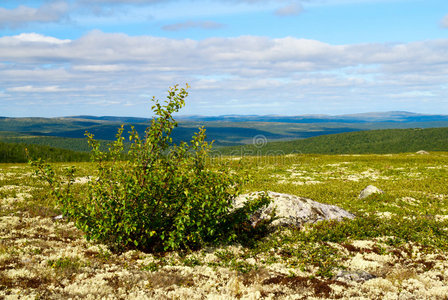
[[399, 238]]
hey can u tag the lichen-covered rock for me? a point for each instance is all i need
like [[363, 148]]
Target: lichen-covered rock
[[369, 190], [422, 152], [293, 210]]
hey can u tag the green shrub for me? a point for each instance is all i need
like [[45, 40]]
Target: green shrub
[[159, 196]]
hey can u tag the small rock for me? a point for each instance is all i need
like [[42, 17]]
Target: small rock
[[422, 152], [369, 190], [60, 217], [293, 210], [357, 275]]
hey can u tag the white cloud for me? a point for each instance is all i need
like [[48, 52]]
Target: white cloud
[[22, 15], [38, 38], [38, 89], [413, 94], [292, 9], [101, 68], [251, 69], [444, 22], [193, 24], [110, 8], [103, 51]]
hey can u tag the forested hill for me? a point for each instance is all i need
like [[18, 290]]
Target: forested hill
[[230, 130], [360, 142], [15, 153], [361, 133]]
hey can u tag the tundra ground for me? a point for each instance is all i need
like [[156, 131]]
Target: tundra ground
[[396, 248]]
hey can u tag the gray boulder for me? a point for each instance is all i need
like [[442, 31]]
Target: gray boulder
[[369, 190], [293, 210]]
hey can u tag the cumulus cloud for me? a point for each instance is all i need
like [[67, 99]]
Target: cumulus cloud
[[292, 9], [36, 38], [22, 15], [193, 24], [251, 70], [444, 22], [220, 54]]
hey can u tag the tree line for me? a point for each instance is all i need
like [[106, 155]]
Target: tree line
[[16, 153], [360, 142]]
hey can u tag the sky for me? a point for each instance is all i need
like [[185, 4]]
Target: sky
[[248, 57]]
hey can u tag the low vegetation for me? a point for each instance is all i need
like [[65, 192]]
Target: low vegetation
[[398, 237]]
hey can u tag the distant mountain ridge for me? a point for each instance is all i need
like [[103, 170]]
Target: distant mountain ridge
[[390, 116]]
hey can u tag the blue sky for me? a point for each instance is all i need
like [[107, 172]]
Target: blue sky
[[288, 57]]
